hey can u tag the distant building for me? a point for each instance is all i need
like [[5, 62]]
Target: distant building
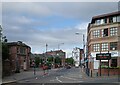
[[58, 53], [33, 56], [19, 55], [78, 56], [103, 36]]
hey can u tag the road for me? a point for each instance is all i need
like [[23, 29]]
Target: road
[[63, 75]]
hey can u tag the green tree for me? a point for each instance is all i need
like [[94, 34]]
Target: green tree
[[58, 60], [69, 61], [37, 61], [50, 59], [5, 51]]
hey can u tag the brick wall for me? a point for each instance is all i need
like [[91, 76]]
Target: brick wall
[[111, 71]]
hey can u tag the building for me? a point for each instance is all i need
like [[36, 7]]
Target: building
[[32, 59], [103, 36], [58, 53], [78, 56], [19, 56]]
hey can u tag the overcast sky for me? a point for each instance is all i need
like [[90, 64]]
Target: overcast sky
[[53, 23]]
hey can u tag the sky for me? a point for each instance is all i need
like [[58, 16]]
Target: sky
[[54, 23]]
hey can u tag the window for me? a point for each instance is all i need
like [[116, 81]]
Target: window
[[113, 19], [17, 50], [101, 21], [118, 18], [97, 22], [96, 33], [104, 46], [113, 45], [113, 31], [114, 63], [104, 32], [96, 47], [22, 50]]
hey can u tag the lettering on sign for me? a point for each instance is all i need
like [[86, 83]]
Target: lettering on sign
[[103, 56]]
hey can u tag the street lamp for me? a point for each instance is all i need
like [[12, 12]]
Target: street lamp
[[59, 45], [77, 33]]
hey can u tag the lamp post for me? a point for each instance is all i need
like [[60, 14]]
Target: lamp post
[[83, 46]]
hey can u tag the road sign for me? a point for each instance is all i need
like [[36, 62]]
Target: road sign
[[103, 56]]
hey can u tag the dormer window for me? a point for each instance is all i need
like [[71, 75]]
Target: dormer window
[[113, 19]]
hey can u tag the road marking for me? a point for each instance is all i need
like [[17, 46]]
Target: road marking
[[58, 79], [69, 78], [27, 80], [52, 80]]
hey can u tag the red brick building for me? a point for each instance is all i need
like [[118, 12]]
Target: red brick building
[[103, 36], [60, 54], [19, 55]]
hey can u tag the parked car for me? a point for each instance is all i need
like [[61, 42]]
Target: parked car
[[68, 66]]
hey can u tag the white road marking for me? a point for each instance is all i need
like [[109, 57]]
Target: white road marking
[[52, 80], [69, 78], [58, 79]]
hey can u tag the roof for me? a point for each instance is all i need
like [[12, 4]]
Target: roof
[[19, 43], [106, 15]]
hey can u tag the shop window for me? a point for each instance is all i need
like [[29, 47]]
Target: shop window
[[114, 63]]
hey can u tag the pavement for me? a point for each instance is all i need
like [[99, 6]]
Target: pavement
[[23, 75], [102, 77]]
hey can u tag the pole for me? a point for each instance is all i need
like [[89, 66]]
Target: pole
[[108, 67], [34, 70], [100, 67], [46, 53], [84, 47]]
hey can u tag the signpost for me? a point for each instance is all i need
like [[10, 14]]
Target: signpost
[[103, 56]]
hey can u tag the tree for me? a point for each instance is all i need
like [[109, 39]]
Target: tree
[[37, 61], [5, 51], [58, 60], [69, 61], [50, 59]]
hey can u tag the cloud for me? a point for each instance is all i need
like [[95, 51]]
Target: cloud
[[59, 1], [39, 23]]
